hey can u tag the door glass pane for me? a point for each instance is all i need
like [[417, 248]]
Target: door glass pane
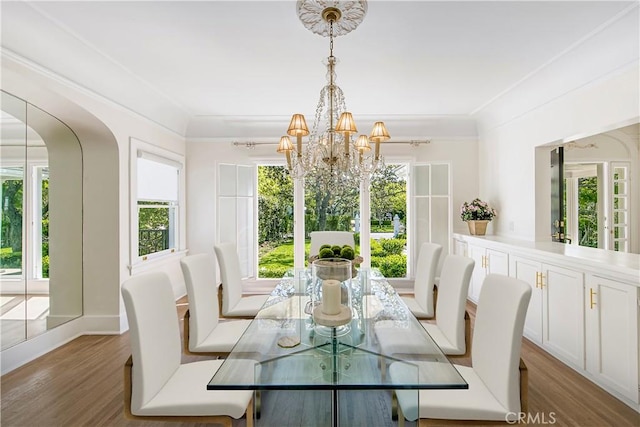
[[620, 203], [619, 217], [439, 180], [245, 235], [421, 180], [440, 224], [227, 219], [227, 182], [422, 221], [620, 232], [245, 181]]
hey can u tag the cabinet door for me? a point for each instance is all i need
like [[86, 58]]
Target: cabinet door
[[528, 270], [460, 247], [563, 313], [497, 262], [477, 253], [612, 334]]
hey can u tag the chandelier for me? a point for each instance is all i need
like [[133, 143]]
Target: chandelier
[[333, 153]]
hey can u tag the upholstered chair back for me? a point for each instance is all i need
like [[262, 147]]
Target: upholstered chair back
[[202, 291], [426, 275], [230, 275], [155, 334], [452, 297], [497, 336], [319, 238]]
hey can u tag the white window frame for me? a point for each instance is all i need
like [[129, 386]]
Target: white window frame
[[139, 148]]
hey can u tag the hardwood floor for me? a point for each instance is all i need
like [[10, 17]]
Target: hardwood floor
[[81, 384]]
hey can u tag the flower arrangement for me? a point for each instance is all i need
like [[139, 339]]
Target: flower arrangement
[[477, 210]]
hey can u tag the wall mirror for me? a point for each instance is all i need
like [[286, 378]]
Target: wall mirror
[[41, 222], [598, 195]]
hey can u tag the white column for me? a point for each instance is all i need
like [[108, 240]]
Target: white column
[[365, 223], [298, 223]]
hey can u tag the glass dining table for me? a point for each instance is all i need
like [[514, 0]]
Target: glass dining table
[[330, 378]]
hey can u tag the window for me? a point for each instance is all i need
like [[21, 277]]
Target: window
[[156, 201], [269, 216]]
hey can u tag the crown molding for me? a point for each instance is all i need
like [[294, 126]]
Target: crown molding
[[10, 56], [554, 59]]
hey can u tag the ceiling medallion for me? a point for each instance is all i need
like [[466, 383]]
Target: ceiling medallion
[[350, 15]]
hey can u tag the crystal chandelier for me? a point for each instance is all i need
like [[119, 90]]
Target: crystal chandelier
[[333, 153]]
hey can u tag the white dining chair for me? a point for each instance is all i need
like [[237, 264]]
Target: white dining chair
[[451, 329], [498, 377], [156, 385], [422, 302], [203, 332], [319, 238], [234, 304]]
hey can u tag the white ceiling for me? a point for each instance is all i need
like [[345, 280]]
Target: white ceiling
[[247, 66]]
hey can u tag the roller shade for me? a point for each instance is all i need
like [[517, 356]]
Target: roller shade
[[157, 181]]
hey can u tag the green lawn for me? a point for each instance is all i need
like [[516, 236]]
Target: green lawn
[[276, 262]]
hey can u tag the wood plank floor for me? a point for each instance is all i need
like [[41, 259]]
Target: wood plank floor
[[81, 384]]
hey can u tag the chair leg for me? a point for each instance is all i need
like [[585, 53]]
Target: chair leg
[[524, 387], [435, 300], [394, 406], [127, 387], [249, 415], [220, 301], [467, 334], [187, 316], [400, 415]]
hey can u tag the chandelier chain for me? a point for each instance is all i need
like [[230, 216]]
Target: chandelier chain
[[331, 38]]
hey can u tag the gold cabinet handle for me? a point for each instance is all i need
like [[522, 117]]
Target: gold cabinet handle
[[592, 303], [541, 280], [537, 279]]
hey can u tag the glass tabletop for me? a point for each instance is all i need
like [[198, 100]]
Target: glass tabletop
[[382, 347]]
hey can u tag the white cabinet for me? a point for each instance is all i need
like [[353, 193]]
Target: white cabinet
[[556, 311], [487, 261], [611, 316], [584, 307], [563, 313]]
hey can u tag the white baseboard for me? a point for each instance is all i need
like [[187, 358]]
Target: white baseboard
[[21, 354]]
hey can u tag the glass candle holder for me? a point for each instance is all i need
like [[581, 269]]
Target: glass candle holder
[[331, 295]]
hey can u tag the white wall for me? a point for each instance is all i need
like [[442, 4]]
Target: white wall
[[590, 89], [507, 153]]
